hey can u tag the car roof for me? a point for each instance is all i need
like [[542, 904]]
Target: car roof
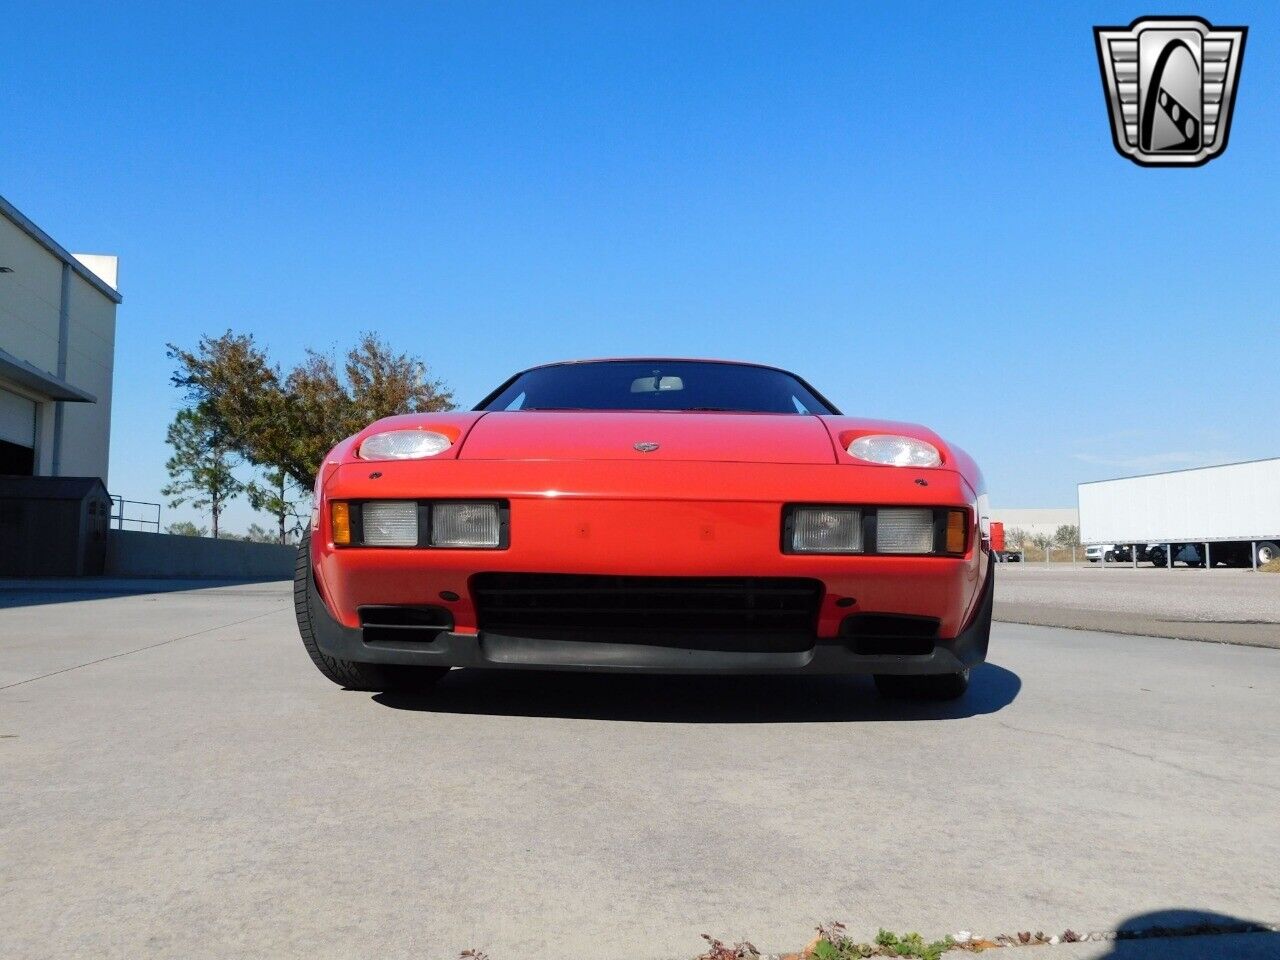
[[731, 363]]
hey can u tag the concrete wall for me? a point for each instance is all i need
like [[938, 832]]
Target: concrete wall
[[131, 553], [30, 301], [30, 298], [91, 345], [40, 273]]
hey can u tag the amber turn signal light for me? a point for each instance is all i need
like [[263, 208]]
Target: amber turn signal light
[[340, 514], [957, 522]]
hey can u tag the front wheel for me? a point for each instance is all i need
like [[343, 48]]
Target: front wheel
[[928, 686], [1109, 557], [1156, 557], [1268, 551], [348, 673]]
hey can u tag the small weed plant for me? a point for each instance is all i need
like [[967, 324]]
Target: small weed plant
[[834, 944]]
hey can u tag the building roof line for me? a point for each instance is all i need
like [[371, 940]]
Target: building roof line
[[46, 241]]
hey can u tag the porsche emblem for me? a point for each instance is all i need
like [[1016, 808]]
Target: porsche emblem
[[646, 446], [1170, 84]]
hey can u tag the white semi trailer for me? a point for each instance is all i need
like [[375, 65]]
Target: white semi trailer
[[1208, 516]]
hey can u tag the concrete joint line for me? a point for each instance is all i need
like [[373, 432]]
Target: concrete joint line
[[1125, 750], [150, 646]]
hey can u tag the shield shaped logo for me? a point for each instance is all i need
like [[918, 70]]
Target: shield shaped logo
[[1170, 84]]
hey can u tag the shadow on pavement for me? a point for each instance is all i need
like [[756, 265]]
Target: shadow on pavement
[[1185, 934], [35, 592], [695, 699]]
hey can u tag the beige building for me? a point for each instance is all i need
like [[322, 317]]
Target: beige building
[[57, 353], [1037, 521]]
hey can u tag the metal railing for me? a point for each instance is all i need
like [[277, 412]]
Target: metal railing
[[134, 515]]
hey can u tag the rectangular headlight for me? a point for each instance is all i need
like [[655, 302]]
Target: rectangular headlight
[[465, 525], [826, 530], [390, 523], [904, 530]]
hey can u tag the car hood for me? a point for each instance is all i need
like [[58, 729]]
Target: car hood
[[592, 435]]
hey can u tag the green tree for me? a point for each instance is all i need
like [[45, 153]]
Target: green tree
[[200, 470], [185, 528], [288, 421], [1043, 541], [255, 534], [1068, 535], [283, 499], [1014, 538], [260, 534]]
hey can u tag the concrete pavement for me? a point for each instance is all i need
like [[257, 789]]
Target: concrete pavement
[[1221, 605], [178, 781]]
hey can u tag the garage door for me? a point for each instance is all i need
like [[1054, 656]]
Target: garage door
[[17, 419]]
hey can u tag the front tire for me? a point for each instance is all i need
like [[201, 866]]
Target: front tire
[[1267, 551], [350, 674], [1109, 557], [1156, 557], [929, 686]]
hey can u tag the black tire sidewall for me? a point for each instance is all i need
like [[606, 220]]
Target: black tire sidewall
[[350, 674]]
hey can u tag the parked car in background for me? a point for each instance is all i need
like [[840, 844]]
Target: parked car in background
[[1100, 551], [661, 516], [999, 552], [1224, 554], [1153, 553]]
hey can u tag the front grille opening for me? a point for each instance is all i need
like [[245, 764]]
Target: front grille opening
[[404, 624], [889, 634], [720, 613]]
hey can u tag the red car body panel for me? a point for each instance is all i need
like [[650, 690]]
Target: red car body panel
[[707, 502], [608, 435]]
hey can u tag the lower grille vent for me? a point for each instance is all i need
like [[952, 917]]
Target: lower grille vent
[[404, 624], [725, 612], [880, 634]]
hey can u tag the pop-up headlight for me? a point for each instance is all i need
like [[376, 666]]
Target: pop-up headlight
[[404, 445], [895, 451]]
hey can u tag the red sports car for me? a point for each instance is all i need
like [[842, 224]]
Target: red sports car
[[648, 515]]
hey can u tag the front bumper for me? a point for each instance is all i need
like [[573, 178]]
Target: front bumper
[[670, 519], [484, 649]]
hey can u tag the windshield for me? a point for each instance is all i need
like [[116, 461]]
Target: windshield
[[657, 385]]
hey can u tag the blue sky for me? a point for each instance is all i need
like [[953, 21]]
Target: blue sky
[[918, 207]]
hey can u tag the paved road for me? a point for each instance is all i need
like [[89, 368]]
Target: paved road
[[1221, 605], [179, 782]]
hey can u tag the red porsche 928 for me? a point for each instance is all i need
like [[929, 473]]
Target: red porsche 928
[[648, 515]]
